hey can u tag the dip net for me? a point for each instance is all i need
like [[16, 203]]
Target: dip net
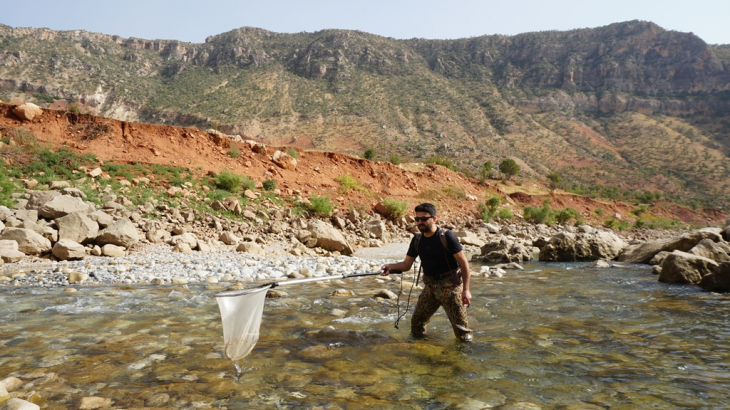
[[241, 313]]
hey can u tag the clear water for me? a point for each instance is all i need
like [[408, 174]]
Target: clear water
[[556, 336]]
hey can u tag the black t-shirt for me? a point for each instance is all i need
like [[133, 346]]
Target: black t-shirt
[[434, 258]]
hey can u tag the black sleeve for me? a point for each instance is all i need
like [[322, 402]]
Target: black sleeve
[[412, 251], [453, 242]]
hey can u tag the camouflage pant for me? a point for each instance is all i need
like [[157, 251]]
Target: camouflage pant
[[441, 293]]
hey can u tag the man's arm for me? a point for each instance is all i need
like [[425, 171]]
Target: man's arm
[[400, 266], [465, 276]]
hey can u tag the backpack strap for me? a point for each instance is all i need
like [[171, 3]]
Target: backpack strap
[[442, 235]]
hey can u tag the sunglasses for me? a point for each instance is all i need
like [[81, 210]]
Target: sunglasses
[[422, 218]]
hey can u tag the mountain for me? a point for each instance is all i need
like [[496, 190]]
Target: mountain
[[616, 110]]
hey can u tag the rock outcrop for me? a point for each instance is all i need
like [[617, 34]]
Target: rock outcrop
[[583, 246], [683, 267], [644, 252]]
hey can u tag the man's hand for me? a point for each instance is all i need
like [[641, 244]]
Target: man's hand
[[385, 269], [466, 298]]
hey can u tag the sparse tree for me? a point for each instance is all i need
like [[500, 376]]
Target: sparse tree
[[509, 168]]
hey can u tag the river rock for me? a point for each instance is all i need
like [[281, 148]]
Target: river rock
[[77, 227], [376, 226], [504, 251], [717, 251], [19, 404], [29, 242], [658, 258], [113, 250], [601, 263], [11, 383], [77, 277], [42, 230], [158, 400], [27, 215], [583, 246], [718, 280], [468, 238], [39, 198], [642, 253], [328, 237], [183, 247], [63, 205], [511, 265], [102, 218], [273, 294], [229, 238], [342, 293], [203, 246], [251, 248], [284, 160], [385, 294], [683, 267], [330, 333], [92, 403], [74, 192], [157, 236], [187, 238], [9, 251], [67, 249], [121, 233]]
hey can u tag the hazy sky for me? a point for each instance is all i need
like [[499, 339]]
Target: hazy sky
[[193, 21]]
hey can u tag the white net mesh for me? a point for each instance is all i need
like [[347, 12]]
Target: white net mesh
[[241, 313]]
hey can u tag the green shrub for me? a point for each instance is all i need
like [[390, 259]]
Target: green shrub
[[228, 181], [611, 223], [369, 153], [248, 183], [563, 216], [395, 159], [292, 152], [348, 183], [509, 168], [486, 171], [488, 209], [641, 209], [443, 161], [640, 223], [505, 214], [395, 209], [234, 152], [269, 185], [320, 205], [541, 215], [600, 211], [554, 179]]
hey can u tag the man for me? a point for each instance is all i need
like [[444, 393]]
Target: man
[[446, 274]]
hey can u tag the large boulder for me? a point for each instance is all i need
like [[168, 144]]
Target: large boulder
[[328, 237], [718, 280], [726, 233], [584, 246], [63, 205], [42, 230], [683, 267], [66, 249], [121, 233], [9, 251], [504, 251], [376, 226], [229, 238], [39, 198], [27, 111], [468, 238], [29, 242], [284, 160], [717, 251], [187, 238], [644, 252], [77, 227], [102, 218], [251, 248]]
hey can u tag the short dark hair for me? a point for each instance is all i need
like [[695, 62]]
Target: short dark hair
[[426, 207]]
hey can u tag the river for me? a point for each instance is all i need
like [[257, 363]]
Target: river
[[553, 336]]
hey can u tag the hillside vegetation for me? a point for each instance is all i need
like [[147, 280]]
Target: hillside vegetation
[[627, 110]]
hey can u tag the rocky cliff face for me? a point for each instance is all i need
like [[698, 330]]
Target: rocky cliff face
[[635, 57]]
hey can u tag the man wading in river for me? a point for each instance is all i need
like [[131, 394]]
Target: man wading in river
[[445, 274]]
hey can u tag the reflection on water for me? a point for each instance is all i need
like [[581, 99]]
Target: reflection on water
[[556, 336]]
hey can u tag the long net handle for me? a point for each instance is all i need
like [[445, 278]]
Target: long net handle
[[297, 281]]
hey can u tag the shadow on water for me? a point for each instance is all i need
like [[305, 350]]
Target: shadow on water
[[554, 335]]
